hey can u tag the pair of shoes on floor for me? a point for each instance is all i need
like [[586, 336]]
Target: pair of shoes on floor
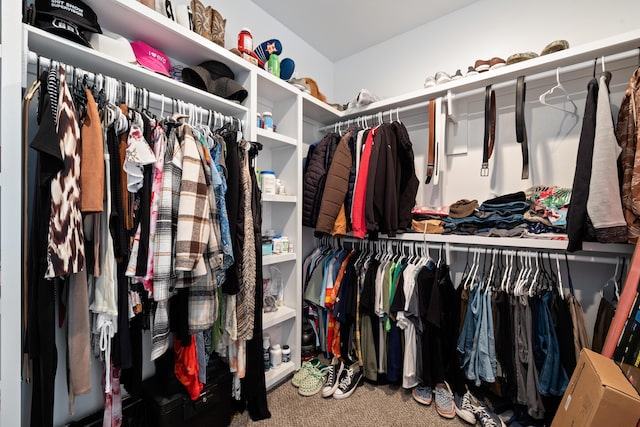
[[485, 416], [443, 398], [305, 369], [334, 372], [348, 381]]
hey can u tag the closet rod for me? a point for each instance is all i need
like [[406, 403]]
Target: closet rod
[[459, 247], [158, 98], [389, 109]]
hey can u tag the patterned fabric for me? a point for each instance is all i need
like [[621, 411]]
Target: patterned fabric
[[163, 272], [65, 252], [246, 297], [627, 135], [219, 180], [193, 209], [160, 145]]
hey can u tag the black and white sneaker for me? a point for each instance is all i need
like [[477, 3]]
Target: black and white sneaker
[[349, 380], [483, 414], [334, 371]]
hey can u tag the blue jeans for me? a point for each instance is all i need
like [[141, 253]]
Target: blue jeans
[[553, 378]]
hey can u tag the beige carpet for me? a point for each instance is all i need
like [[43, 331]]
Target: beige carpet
[[368, 406]]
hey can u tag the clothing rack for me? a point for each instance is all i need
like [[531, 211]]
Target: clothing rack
[[382, 111], [449, 247], [144, 97]]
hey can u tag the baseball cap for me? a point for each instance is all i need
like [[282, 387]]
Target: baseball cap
[[113, 45], [151, 58], [66, 18], [215, 77]]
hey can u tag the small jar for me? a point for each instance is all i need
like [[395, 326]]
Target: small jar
[[245, 40], [276, 355], [267, 120], [259, 120], [286, 354], [277, 245], [284, 241], [268, 179], [266, 343], [291, 249]]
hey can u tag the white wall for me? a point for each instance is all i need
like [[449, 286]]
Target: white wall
[[244, 13], [482, 30]]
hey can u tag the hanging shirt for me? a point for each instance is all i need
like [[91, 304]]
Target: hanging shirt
[[65, 253]]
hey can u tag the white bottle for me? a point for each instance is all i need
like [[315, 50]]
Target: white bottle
[[276, 355]]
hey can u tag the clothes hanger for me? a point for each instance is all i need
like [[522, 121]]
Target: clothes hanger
[[613, 282], [534, 280], [559, 88], [560, 287]]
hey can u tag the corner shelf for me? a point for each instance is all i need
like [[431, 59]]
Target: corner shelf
[[274, 318], [276, 140], [274, 375], [278, 258], [279, 198]]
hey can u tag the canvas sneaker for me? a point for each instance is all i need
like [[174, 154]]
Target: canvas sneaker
[[464, 410], [422, 394], [334, 371], [444, 401], [483, 414], [349, 380]]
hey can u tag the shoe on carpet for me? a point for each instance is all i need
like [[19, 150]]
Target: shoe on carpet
[[313, 382], [444, 401], [304, 371], [464, 411], [422, 394], [349, 380], [483, 414], [333, 375]]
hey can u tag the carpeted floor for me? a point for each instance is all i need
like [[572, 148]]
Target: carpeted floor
[[368, 406]]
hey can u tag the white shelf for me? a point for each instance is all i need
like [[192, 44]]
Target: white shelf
[[282, 314], [274, 88], [514, 242], [44, 43], [564, 58], [319, 111], [278, 258], [136, 21], [274, 375], [274, 139], [279, 198]]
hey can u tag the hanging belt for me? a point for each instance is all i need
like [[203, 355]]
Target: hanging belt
[[521, 128], [489, 129], [432, 141], [439, 138]]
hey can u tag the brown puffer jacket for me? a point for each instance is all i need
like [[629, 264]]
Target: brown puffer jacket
[[335, 187]]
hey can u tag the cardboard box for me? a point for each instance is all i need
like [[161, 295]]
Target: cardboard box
[[598, 394]]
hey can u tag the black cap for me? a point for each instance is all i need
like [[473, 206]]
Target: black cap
[[74, 11]]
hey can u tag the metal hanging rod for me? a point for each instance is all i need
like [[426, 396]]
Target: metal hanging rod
[[163, 102], [447, 89], [449, 247]]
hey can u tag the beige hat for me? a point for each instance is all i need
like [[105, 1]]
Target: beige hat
[[113, 45], [462, 208]]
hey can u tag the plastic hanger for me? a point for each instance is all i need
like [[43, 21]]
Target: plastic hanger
[[559, 88], [613, 282]]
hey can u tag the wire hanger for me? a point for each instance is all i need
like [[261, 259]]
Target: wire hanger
[[560, 88]]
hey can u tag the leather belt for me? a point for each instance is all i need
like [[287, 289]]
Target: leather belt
[[489, 129], [441, 126], [521, 128], [432, 141]]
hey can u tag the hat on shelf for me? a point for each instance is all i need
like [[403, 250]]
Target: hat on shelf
[[462, 208], [216, 78], [113, 45], [66, 18], [151, 58]]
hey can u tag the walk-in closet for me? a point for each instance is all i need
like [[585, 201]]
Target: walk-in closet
[[284, 213]]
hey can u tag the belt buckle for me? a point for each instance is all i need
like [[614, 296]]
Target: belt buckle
[[484, 170]]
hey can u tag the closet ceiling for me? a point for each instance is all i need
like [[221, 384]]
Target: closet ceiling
[[341, 28]]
